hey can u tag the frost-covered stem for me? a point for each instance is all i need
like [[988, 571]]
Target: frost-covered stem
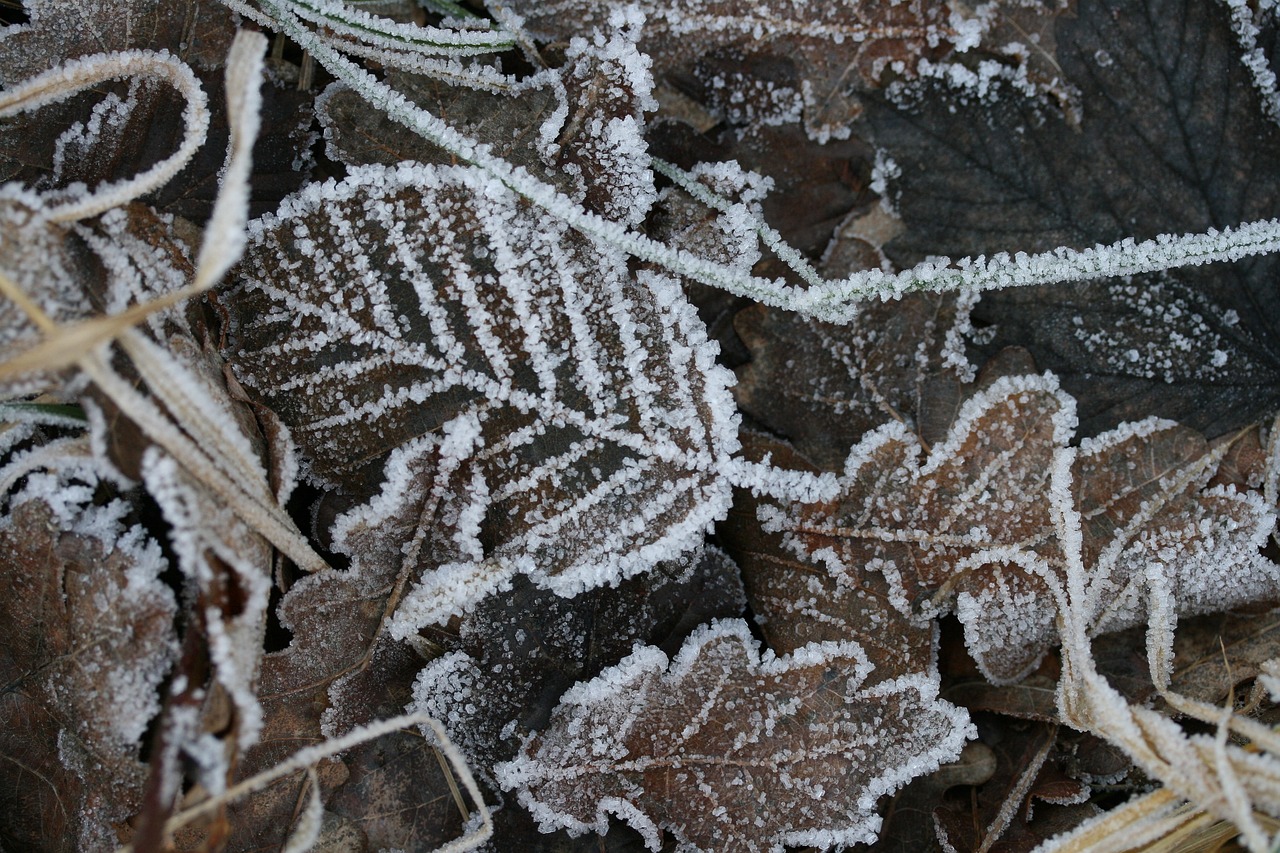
[[833, 301], [224, 236], [169, 382], [309, 823], [763, 478], [1151, 817], [313, 755], [1155, 743], [266, 518], [383, 32], [797, 262], [1253, 57], [1125, 257], [67, 79]]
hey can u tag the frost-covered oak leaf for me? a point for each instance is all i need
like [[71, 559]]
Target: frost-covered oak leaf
[[796, 600], [972, 523], [574, 409], [520, 650], [731, 750]]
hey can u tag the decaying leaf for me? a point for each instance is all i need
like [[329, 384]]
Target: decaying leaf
[[838, 48], [972, 521], [731, 750], [578, 127], [581, 429], [824, 386], [1175, 140], [86, 637], [797, 601], [123, 128], [520, 651]]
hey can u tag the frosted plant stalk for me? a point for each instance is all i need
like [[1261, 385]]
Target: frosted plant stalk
[[73, 77], [240, 484], [832, 301]]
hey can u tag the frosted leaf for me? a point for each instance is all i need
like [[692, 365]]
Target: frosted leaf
[[824, 385], [50, 266], [839, 47], [340, 671], [973, 520], [578, 127], [519, 651], [731, 750], [579, 410], [58, 30], [1196, 346], [795, 598], [86, 637], [122, 128]]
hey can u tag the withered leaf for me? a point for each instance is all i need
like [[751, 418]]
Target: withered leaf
[[973, 521], [795, 598], [838, 48], [823, 386], [730, 750], [121, 129], [1173, 139], [577, 127], [520, 651], [580, 421], [86, 636]]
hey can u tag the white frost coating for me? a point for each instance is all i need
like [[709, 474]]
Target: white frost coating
[[224, 235], [75, 76], [977, 406], [884, 171], [733, 732], [619, 369], [199, 529], [1254, 59], [834, 301]]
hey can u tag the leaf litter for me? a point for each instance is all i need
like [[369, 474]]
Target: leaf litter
[[523, 455]]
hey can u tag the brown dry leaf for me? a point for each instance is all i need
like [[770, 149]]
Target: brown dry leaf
[[797, 601], [581, 422], [519, 652], [733, 751], [908, 819], [1216, 654], [824, 386], [86, 636], [1000, 817], [973, 521], [577, 127], [121, 129], [838, 48]]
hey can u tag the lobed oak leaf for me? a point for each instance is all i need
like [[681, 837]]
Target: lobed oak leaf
[[796, 600], [1173, 138], [577, 409], [729, 749], [518, 652], [973, 521]]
